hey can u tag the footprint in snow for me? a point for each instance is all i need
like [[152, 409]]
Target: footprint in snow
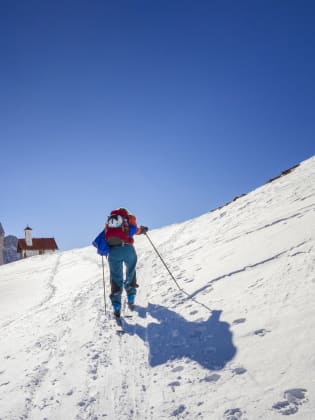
[[178, 369], [174, 384], [239, 371], [179, 410], [293, 399], [261, 332], [85, 403], [238, 321], [233, 414], [193, 312], [211, 378], [95, 357]]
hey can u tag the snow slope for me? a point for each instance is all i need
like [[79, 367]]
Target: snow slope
[[238, 343]]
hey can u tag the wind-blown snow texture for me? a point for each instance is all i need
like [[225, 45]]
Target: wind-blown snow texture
[[239, 345]]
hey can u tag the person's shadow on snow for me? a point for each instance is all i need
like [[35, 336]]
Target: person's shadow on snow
[[208, 343]]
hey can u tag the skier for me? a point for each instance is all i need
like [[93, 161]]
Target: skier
[[116, 243]]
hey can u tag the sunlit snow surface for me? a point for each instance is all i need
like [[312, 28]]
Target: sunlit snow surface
[[238, 344]]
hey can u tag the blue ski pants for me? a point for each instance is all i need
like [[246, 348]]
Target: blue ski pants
[[121, 257]]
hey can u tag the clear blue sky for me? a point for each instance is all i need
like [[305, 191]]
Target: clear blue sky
[[169, 108]]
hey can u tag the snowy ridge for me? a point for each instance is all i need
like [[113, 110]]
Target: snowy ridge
[[238, 344]]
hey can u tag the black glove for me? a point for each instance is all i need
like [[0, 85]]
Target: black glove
[[143, 230]]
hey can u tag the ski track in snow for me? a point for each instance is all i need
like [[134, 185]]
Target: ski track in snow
[[230, 345]]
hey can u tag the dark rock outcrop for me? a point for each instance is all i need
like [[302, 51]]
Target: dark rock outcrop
[[9, 249]]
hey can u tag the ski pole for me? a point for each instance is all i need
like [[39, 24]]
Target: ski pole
[[104, 284], [182, 290], [169, 271]]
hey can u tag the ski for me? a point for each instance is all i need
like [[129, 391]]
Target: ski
[[119, 325], [129, 311], [120, 322]]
